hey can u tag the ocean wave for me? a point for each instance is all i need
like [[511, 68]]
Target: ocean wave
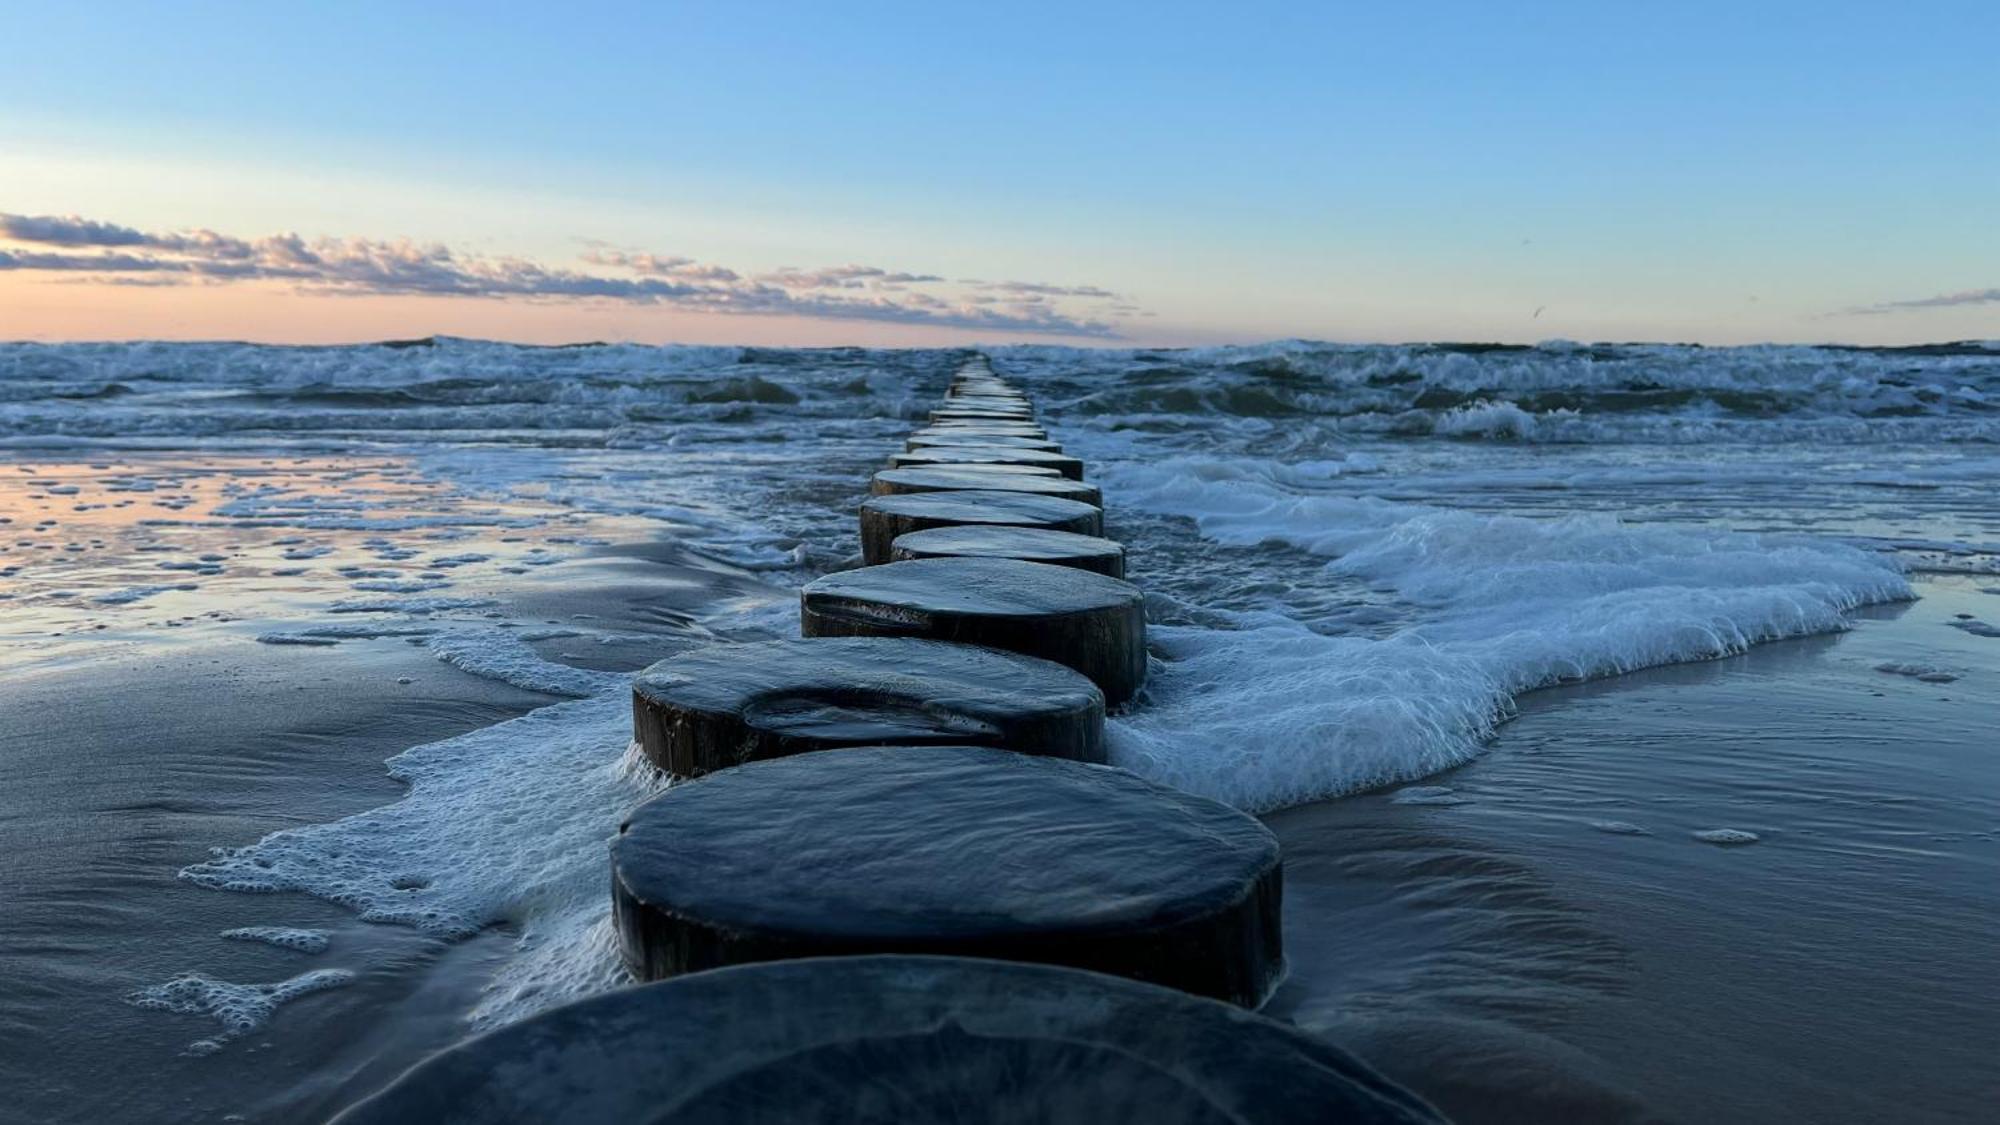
[[1554, 392], [1273, 713], [1514, 392]]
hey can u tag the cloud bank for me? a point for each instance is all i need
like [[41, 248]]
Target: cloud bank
[[126, 255], [1941, 301]]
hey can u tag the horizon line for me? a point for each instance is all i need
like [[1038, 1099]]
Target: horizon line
[[433, 339]]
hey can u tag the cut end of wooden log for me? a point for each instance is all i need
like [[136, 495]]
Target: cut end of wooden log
[[962, 433], [960, 851], [883, 518], [998, 467], [1059, 548], [1093, 623], [1007, 441], [717, 707], [1063, 463], [893, 482], [981, 414]]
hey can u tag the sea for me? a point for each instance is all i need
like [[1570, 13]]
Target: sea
[[1627, 711]]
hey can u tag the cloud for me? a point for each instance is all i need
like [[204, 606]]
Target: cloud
[[97, 263], [360, 266], [1043, 289], [661, 265], [844, 277], [1941, 301], [52, 230], [72, 230]]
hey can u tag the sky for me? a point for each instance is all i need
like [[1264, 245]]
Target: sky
[[1093, 173]]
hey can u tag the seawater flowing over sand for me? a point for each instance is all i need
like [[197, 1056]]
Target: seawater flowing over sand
[[1389, 586]]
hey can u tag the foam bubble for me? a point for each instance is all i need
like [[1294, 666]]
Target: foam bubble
[[1442, 795], [305, 941], [418, 606], [239, 1008], [399, 585], [1927, 673], [1619, 828], [139, 593]]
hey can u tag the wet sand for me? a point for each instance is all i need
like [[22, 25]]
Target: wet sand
[[1541, 935], [121, 773]]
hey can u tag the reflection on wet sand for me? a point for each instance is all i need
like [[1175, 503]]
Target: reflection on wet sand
[[124, 549]]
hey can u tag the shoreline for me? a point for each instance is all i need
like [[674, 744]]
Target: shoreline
[[413, 1002], [99, 835]]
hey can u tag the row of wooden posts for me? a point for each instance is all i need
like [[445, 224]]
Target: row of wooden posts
[[903, 824]]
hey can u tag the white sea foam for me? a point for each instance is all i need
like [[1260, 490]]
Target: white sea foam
[[1928, 673], [408, 605], [1490, 419], [239, 1008], [284, 937], [334, 634], [1273, 713], [1619, 828], [139, 593], [505, 656], [399, 585], [508, 824], [1442, 795]]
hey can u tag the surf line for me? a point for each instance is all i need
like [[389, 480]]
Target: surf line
[[901, 827]]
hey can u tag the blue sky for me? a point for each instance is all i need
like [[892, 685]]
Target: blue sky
[[1724, 173]]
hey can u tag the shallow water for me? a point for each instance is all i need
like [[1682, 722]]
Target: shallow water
[[236, 579], [1762, 888]]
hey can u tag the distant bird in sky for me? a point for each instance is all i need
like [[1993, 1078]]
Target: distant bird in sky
[[1538, 312]]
